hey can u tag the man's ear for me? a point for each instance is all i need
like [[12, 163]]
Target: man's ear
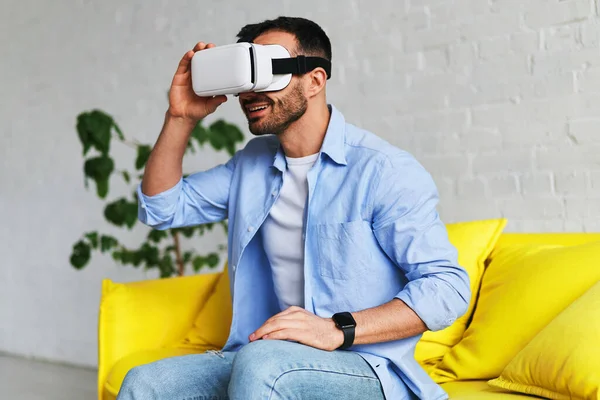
[[317, 79]]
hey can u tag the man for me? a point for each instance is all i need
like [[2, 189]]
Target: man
[[324, 219]]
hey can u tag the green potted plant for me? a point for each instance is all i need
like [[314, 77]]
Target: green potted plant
[[161, 249]]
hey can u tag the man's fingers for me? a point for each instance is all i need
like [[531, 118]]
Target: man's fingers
[[287, 312], [276, 316], [184, 64], [199, 46], [291, 310], [277, 325], [214, 102], [295, 335]]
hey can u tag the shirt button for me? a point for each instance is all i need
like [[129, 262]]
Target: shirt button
[[250, 228], [274, 194], [233, 267], [143, 205]]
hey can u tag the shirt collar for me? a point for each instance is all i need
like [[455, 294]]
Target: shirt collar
[[333, 144]]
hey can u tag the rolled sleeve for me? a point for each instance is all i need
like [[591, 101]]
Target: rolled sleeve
[[438, 304], [200, 198], [158, 210], [408, 228]]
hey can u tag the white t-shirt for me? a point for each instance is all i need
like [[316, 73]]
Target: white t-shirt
[[282, 233]]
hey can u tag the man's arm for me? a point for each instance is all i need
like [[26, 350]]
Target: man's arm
[[391, 321], [408, 228], [165, 199], [164, 167]]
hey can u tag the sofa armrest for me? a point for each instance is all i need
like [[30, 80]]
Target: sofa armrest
[[147, 315]]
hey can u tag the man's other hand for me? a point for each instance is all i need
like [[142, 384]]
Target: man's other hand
[[298, 325]]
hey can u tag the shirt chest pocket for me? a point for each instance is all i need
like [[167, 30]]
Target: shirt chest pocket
[[346, 250]]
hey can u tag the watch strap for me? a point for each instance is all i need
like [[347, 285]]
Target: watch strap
[[348, 337]]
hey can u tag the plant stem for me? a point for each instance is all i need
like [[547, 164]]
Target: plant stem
[[178, 258], [134, 145]]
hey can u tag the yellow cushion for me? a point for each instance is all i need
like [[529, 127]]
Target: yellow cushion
[[211, 327], [474, 241], [556, 239], [149, 314], [563, 360], [523, 289], [479, 390], [121, 368]]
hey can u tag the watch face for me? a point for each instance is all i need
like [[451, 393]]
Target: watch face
[[344, 320]]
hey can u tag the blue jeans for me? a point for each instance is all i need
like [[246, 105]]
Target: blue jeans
[[265, 369]]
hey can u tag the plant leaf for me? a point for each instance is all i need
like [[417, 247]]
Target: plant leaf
[[107, 243], [119, 132], [127, 257], [190, 147], [99, 169], [126, 176], [94, 130], [166, 266], [116, 255], [80, 255], [188, 231], [83, 132], [149, 254], [225, 135], [212, 260], [102, 188], [93, 238], [187, 257], [198, 262], [200, 134], [156, 236], [143, 153], [121, 212]]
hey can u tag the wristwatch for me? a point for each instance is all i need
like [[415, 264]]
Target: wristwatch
[[346, 323]]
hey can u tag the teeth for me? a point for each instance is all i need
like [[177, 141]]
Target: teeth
[[257, 108]]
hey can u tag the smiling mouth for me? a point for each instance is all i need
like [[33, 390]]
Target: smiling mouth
[[256, 110]]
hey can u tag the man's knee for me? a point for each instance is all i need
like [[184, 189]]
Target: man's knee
[[257, 365], [269, 355], [140, 383]]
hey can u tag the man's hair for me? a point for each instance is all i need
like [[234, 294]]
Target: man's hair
[[312, 40]]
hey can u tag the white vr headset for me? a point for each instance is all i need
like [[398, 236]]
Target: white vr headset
[[248, 67]]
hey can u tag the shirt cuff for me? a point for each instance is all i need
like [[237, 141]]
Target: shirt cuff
[[423, 298], [159, 208]]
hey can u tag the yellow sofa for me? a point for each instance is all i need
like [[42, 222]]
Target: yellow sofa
[[145, 321]]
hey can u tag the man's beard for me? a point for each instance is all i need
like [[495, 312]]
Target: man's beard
[[282, 113]]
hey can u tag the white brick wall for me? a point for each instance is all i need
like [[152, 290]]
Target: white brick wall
[[499, 99], [504, 108]]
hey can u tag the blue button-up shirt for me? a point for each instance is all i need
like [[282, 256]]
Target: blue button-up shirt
[[371, 230]]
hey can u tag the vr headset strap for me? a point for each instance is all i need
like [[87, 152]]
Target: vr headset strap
[[300, 65]]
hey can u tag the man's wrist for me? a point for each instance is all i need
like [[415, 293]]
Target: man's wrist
[[179, 120], [338, 335]]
